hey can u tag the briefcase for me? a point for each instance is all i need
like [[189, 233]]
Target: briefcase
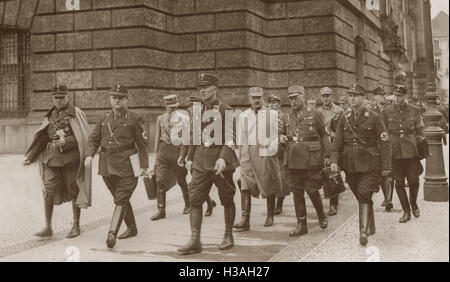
[[422, 148], [333, 184], [150, 186]]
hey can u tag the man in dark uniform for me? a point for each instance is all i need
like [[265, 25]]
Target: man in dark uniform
[[306, 154], [387, 183], [122, 140], [58, 144], [210, 203], [405, 126], [167, 155], [361, 147], [331, 112], [211, 163], [275, 104]]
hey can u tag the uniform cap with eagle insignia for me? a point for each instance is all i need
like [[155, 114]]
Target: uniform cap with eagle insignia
[[119, 90], [60, 90], [206, 79], [171, 100], [357, 89], [255, 92]]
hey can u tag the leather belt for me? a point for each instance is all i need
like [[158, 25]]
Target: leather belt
[[117, 149]]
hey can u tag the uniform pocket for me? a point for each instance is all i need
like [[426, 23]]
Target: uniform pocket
[[316, 154], [375, 159]]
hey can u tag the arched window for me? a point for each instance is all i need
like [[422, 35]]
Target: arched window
[[14, 71], [360, 46]]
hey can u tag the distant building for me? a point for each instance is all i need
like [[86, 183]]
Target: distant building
[[441, 50]]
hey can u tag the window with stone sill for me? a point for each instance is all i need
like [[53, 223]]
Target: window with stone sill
[[14, 71]]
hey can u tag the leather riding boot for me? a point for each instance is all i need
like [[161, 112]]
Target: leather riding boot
[[317, 203], [390, 191], [48, 210], [279, 206], [333, 205], [210, 206], [413, 194], [187, 204], [194, 245], [161, 199], [246, 204], [364, 217], [301, 229], [300, 213], [116, 221], [403, 197], [130, 221], [76, 221], [270, 210], [372, 228], [228, 240]]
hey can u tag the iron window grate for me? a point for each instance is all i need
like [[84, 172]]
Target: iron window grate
[[14, 72]]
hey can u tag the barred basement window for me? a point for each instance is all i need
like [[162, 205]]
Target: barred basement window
[[14, 71]]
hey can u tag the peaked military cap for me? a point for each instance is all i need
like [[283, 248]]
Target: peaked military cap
[[357, 89], [255, 92], [400, 89], [296, 90], [206, 79], [60, 90], [378, 91], [119, 90], [274, 97], [171, 100], [326, 91]]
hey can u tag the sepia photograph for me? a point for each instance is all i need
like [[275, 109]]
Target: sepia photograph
[[224, 136]]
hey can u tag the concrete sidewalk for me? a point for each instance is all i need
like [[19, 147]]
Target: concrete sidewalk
[[422, 239]]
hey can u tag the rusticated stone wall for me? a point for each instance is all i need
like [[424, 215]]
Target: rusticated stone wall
[[157, 47]]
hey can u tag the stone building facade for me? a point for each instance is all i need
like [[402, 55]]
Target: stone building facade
[[157, 47], [441, 52]]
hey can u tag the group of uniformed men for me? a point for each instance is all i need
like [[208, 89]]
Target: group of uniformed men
[[370, 141]]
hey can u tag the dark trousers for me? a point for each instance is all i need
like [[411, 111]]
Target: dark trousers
[[363, 185], [202, 182], [60, 180], [121, 188]]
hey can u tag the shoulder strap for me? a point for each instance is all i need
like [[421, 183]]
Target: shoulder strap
[[352, 131]]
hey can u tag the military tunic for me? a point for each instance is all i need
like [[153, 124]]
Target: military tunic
[[404, 124], [362, 149], [60, 164], [204, 158], [119, 136], [306, 149]]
